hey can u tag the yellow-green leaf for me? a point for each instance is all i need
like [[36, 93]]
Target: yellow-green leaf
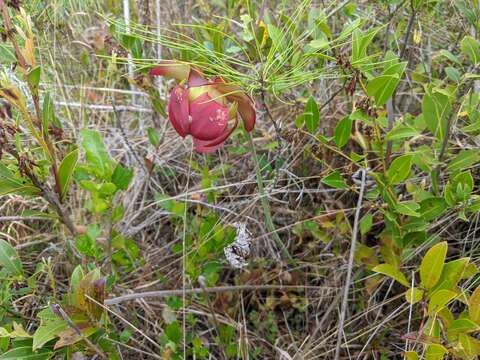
[[432, 265], [435, 352], [470, 345], [462, 326], [474, 305], [452, 273], [439, 299], [411, 355], [47, 331], [414, 295], [393, 272], [399, 169]]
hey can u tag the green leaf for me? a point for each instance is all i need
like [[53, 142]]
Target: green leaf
[[312, 115], [174, 332], [382, 88], [34, 76], [474, 305], [435, 352], [9, 259], [47, 331], [277, 37], [464, 159], [471, 47], [452, 273], [153, 136], [77, 276], [25, 353], [462, 326], [10, 184], [366, 223], [450, 56], [122, 176], [66, 169], [177, 208], [439, 299], [117, 213], [343, 131], [401, 132], [432, 265], [393, 272], [408, 208], [96, 154], [335, 180], [132, 43], [360, 42], [453, 74], [436, 110], [399, 169], [48, 113], [432, 208], [7, 56], [414, 295]]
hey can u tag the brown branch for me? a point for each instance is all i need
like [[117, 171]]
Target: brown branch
[[50, 196], [215, 289], [270, 116]]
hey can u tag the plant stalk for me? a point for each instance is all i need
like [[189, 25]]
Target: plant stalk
[[264, 201], [348, 281]]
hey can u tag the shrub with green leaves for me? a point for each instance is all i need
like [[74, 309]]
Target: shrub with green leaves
[[353, 180]]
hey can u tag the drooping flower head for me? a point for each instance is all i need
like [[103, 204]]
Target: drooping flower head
[[204, 108]]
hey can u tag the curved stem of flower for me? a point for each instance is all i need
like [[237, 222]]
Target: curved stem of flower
[[264, 201]]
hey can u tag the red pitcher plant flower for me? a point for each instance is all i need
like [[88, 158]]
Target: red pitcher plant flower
[[203, 108]]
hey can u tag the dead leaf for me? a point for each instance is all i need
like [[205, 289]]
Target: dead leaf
[[92, 285], [70, 336]]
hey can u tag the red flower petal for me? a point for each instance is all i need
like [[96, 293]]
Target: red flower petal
[[247, 112], [178, 110], [172, 69], [209, 118], [221, 139], [196, 78], [210, 146], [245, 103], [200, 146]]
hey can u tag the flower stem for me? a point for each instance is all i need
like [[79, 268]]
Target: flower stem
[[264, 201]]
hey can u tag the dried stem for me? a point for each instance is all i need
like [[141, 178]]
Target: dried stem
[[343, 311], [201, 281], [215, 289]]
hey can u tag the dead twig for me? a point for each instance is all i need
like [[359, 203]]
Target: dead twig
[[343, 311], [215, 289]]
